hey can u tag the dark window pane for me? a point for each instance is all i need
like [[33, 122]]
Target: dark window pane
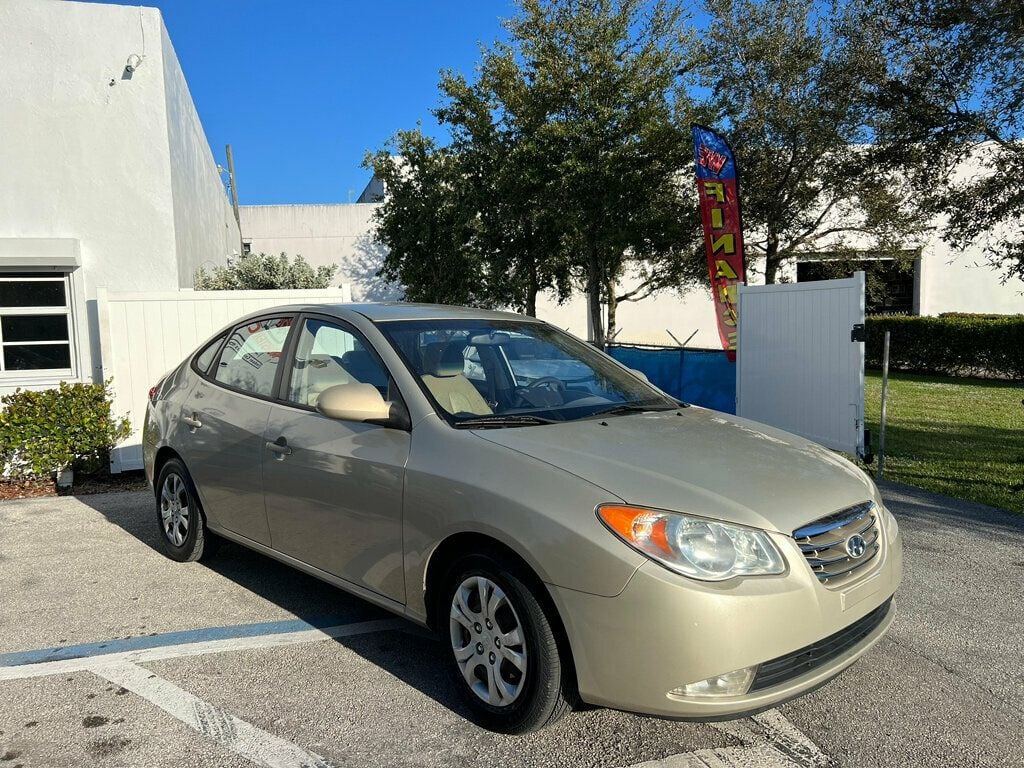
[[204, 358], [28, 293], [35, 357], [35, 328]]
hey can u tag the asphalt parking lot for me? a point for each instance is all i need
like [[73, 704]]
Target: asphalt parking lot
[[111, 654]]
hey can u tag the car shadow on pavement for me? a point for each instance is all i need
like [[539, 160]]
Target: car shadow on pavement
[[411, 654]]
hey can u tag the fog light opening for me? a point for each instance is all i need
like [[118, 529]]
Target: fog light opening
[[735, 683]]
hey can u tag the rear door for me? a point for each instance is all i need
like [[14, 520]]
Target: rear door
[[333, 488], [224, 420]]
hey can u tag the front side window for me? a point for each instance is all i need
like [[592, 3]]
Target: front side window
[[251, 355], [327, 355], [35, 322], [514, 372]]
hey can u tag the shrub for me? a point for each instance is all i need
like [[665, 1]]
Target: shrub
[[260, 272], [953, 344], [69, 426]]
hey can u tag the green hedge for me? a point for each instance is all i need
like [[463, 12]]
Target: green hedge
[[45, 432], [952, 345]]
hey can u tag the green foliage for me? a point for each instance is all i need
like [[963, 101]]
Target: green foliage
[[794, 87], [953, 90], [261, 272], [564, 166], [960, 437], [955, 345], [43, 433]]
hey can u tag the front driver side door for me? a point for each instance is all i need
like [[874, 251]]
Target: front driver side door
[[333, 489]]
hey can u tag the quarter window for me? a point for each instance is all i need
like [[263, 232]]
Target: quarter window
[[204, 358], [251, 356], [35, 322]]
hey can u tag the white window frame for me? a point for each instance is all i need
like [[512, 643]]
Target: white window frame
[[13, 276]]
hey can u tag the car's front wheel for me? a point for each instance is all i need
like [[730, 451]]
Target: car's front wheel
[[184, 535], [504, 653]]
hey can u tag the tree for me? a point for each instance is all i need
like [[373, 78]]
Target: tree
[[427, 223], [794, 87], [252, 272], [564, 166], [956, 91]]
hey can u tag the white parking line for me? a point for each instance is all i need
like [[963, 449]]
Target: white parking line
[[145, 655], [768, 740], [212, 722]]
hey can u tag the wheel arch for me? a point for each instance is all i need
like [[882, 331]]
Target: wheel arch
[[459, 545], [164, 454]]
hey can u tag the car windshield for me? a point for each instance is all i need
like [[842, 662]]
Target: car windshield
[[506, 373]]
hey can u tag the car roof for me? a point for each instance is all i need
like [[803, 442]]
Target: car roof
[[400, 310]]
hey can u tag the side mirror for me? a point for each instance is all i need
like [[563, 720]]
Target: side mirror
[[356, 402], [640, 375]]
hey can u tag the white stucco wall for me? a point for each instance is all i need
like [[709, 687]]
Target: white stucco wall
[[83, 153], [117, 163], [205, 230], [323, 235]]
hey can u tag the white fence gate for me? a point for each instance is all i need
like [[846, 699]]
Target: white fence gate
[[144, 335], [800, 362]]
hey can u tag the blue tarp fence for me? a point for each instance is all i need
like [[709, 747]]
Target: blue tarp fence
[[700, 376]]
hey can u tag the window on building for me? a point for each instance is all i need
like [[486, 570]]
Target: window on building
[[889, 282], [35, 323]]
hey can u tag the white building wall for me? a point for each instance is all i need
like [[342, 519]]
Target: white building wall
[[83, 153], [205, 230], [114, 161], [338, 234]]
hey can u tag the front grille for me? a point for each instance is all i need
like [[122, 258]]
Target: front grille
[[778, 671], [825, 544]]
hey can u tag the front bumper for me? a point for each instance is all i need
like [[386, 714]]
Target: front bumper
[[665, 631]]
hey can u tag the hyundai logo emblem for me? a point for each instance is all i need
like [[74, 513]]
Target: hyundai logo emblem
[[856, 546]]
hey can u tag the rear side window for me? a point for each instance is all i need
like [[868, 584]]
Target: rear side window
[[204, 358], [251, 356]]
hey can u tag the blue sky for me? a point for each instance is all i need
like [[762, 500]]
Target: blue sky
[[301, 90]]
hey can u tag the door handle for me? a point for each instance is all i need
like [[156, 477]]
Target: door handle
[[280, 447], [192, 421]]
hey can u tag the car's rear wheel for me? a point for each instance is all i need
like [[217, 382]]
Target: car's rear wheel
[[182, 526], [503, 650]]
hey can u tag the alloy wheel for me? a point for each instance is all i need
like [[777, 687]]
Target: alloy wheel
[[488, 641], [175, 510]]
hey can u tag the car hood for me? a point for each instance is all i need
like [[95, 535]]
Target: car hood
[[699, 461]]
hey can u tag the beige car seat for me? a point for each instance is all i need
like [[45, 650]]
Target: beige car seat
[[314, 375], [443, 367]]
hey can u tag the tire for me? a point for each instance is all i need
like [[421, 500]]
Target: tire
[[527, 699], [179, 516]]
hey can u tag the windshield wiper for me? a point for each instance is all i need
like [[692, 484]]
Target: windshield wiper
[[632, 408], [498, 420]]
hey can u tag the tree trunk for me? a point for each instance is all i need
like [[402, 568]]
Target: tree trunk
[[594, 298], [532, 289], [613, 305], [771, 258]]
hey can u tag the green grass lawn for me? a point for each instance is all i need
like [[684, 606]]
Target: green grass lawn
[[961, 437]]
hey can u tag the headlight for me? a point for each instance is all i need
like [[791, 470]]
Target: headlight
[[695, 547]]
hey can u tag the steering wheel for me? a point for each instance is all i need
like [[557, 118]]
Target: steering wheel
[[548, 385], [555, 385]]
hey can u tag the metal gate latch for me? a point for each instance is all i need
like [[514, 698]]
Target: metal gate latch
[[858, 333]]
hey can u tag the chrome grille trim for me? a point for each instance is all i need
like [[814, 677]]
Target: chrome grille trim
[[823, 541]]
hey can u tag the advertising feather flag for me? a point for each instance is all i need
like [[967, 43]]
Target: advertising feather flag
[[718, 193]]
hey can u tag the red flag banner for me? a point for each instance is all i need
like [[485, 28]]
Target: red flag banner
[[717, 182]]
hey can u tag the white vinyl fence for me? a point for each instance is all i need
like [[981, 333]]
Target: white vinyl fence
[[800, 363], [144, 335]]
